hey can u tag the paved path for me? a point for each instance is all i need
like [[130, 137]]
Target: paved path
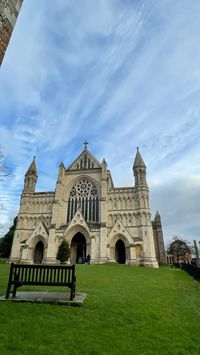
[[60, 298]]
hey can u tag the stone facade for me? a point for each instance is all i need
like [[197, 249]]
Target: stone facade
[[158, 239], [9, 10], [111, 224]]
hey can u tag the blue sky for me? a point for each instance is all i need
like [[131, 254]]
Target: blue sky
[[119, 73]]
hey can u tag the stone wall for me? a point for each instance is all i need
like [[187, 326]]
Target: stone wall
[[9, 10], [34, 208]]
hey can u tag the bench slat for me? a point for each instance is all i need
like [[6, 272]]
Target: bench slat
[[57, 274], [61, 278], [25, 276], [33, 274], [40, 275], [22, 274]]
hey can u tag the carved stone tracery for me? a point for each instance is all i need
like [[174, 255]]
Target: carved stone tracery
[[84, 188], [84, 197]]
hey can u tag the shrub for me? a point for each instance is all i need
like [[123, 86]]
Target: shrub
[[63, 252]]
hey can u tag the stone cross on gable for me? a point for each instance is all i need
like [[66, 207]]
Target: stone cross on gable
[[86, 144]]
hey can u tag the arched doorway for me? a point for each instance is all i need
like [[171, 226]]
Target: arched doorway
[[120, 252], [78, 248], [38, 253]]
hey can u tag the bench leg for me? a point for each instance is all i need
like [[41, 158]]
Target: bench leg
[[10, 280], [8, 290], [71, 294], [74, 288], [14, 290]]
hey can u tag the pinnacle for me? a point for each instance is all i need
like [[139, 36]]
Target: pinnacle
[[157, 216], [138, 160], [62, 164], [32, 170]]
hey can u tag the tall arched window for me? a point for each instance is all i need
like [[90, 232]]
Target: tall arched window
[[84, 196]]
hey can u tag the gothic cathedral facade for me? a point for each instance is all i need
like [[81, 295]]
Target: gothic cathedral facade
[[111, 224]]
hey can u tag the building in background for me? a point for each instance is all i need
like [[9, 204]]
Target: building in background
[[111, 224], [9, 10], [179, 252]]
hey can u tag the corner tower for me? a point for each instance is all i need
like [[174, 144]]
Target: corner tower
[[158, 239], [30, 179], [145, 230], [139, 170]]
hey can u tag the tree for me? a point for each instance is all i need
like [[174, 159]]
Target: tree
[[63, 252], [196, 252], [4, 173], [4, 170], [6, 241]]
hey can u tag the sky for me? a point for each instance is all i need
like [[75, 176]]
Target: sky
[[119, 73]]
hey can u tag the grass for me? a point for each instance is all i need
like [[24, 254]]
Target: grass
[[3, 260], [128, 311]]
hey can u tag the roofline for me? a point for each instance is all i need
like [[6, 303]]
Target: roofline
[[91, 156]]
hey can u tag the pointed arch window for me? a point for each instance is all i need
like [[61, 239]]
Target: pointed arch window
[[84, 196]]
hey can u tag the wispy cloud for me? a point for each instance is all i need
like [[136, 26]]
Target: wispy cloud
[[119, 73]]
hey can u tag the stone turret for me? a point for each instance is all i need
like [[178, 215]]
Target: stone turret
[[104, 169], [61, 172], [158, 239], [30, 179], [157, 220], [139, 170]]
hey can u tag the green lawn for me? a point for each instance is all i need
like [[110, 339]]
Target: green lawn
[[128, 311]]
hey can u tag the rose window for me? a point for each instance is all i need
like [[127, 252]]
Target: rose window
[[84, 188], [84, 197]]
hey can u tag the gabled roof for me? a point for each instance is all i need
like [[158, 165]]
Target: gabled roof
[[40, 231], [78, 220], [119, 229], [85, 160]]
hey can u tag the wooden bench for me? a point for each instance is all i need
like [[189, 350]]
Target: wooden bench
[[41, 275]]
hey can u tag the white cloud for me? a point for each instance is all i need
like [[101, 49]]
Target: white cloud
[[119, 73]]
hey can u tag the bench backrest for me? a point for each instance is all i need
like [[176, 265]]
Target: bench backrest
[[43, 274]]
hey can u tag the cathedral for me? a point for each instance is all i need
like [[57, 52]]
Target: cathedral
[[111, 224], [9, 11]]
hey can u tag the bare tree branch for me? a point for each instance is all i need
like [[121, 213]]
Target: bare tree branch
[[4, 170]]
